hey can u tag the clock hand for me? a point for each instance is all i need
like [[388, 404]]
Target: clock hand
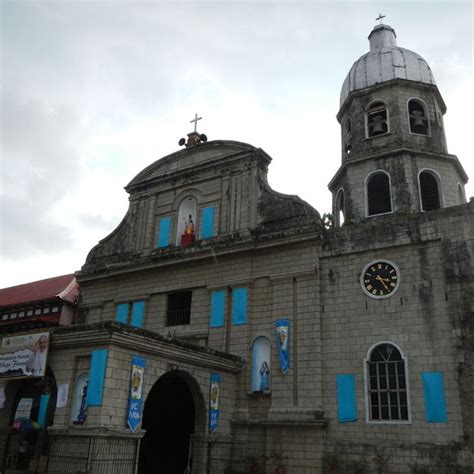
[[381, 280]]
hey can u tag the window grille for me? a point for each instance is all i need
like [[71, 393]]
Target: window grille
[[429, 191], [387, 387], [378, 194], [179, 308]]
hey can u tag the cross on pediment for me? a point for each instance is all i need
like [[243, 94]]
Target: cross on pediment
[[195, 120]]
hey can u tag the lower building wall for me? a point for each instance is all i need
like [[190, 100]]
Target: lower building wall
[[87, 453], [352, 456]]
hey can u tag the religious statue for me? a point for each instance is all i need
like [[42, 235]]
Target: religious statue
[[189, 226], [188, 235], [81, 416], [264, 377]]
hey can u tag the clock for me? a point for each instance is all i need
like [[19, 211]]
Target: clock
[[380, 279]]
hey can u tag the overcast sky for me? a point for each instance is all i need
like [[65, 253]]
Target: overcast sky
[[92, 92]]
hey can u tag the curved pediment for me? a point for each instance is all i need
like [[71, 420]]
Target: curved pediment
[[190, 157]]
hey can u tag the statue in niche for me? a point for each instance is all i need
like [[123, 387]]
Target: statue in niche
[[264, 377], [188, 237], [81, 416]]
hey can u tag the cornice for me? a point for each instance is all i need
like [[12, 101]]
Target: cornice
[[397, 151], [211, 250], [114, 334]]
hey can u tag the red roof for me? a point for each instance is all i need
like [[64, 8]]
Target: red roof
[[64, 287]]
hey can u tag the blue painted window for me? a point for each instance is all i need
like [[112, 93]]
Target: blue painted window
[[164, 232], [137, 313], [346, 398], [122, 313], [131, 313], [217, 309], [435, 402], [239, 306], [207, 223], [95, 389]]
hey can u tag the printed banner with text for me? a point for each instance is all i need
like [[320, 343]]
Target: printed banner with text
[[24, 355], [136, 393], [214, 402]]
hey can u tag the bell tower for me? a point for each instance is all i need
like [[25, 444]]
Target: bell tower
[[393, 147]]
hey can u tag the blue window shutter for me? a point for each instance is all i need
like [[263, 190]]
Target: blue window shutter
[[122, 313], [207, 223], [137, 314], [43, 410], [435, 402], [164, 230], [217, 309], [95, 389], [346, 398], [239, 306]]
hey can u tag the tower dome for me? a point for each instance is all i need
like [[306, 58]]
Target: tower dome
[[385, 61]]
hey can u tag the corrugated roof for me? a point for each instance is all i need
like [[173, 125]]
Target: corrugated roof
[[64, 287]]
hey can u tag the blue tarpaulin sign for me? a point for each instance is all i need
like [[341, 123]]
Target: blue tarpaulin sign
[[136, 393], [214, 402], [283, 340]]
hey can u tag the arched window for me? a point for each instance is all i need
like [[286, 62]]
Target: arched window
[[417, 117], [187, 216], [386, 382], [261, 360], [79, 407], [376, 119], [461, 195], [429, 190], [339, 208], [347, 136], [378, 194]]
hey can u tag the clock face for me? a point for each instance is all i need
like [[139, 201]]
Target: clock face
[[380, 279]]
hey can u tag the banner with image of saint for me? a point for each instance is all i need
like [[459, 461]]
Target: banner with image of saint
[[282, 327], [136, 393], [214, 402]]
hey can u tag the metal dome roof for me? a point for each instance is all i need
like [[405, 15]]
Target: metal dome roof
[[385, 61]]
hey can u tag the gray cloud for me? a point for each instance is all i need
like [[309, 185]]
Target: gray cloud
[[39, 166]]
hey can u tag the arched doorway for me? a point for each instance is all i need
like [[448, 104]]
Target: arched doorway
[[169, 419]]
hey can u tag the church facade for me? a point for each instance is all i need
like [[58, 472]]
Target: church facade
[[223, 327]]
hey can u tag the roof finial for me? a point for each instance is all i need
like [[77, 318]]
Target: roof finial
[[195, 120], [380, 18], [194, 138]]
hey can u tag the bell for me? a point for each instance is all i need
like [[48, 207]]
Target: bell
[[418, 119], [378, 127]]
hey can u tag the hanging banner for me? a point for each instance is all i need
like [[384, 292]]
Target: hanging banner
[[282, 327], [23, 409], [136, 393], [63, 393], [24, 355], [214, 402]]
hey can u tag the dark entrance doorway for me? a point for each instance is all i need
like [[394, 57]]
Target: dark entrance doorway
[[27, 440], [169, 420]]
